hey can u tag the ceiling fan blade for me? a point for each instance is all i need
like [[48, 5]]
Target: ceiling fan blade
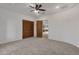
[[40, 5], [32, 10], [31, 6], [36, 7], [42, 9]]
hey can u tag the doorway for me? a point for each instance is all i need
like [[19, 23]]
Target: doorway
[[28, 29], [42, 28], [45, 28]]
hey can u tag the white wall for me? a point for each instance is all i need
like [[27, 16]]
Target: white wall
[[2, 26], [64, 26], [11, 25]]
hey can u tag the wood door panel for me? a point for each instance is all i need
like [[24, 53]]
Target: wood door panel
[[28, 29], [39, 28]]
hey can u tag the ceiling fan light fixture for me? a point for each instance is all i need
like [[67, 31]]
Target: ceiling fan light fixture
[[36, 11]]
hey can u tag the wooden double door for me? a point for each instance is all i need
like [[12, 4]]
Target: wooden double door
[[28, 29]]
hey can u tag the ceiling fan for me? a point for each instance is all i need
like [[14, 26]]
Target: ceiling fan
[[37, 8]]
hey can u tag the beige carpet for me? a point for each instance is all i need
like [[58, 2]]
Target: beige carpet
[[36, 46]]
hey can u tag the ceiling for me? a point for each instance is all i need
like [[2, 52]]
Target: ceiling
[[51, 8]]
